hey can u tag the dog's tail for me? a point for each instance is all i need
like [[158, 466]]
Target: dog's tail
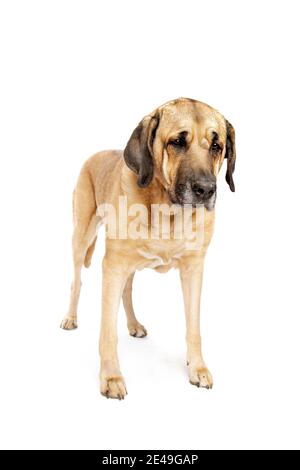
[[89, 254], [85, 214]]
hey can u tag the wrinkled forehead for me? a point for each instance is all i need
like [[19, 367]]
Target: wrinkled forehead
[[192, 116]]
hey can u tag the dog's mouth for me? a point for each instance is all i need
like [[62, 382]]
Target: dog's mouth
[[185, 197]]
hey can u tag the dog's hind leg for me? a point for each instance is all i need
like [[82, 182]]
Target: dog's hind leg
[[83, 242], [134, 327]]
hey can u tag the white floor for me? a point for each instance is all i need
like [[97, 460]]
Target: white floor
[[50, 396]]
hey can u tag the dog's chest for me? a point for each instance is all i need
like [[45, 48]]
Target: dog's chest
[[161, 256]]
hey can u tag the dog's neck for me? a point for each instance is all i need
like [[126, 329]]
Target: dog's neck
[[155, 193]]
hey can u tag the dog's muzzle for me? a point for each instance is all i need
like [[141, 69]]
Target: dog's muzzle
[[200, 190]]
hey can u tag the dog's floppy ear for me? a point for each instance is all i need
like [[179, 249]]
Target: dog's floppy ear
[[230, 155], [138, 153]]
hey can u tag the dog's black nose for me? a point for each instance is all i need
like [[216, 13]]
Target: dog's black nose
[[204, 189]]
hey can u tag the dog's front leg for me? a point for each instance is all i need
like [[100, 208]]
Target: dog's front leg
[[112, 384], [191, 271]]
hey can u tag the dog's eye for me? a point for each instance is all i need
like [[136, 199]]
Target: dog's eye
[[215, 147], [179, 142]]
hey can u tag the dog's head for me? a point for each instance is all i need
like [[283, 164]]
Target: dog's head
[[183, 144]]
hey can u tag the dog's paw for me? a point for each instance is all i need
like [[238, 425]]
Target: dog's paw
[[113, 387], [69, 323], [137, 330], [200, 376]]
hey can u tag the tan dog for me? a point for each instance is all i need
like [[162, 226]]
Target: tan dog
[[172, 157]]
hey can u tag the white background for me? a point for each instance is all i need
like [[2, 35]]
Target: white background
[[76, 77]]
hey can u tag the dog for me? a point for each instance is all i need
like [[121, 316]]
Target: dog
[[173, 158]]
